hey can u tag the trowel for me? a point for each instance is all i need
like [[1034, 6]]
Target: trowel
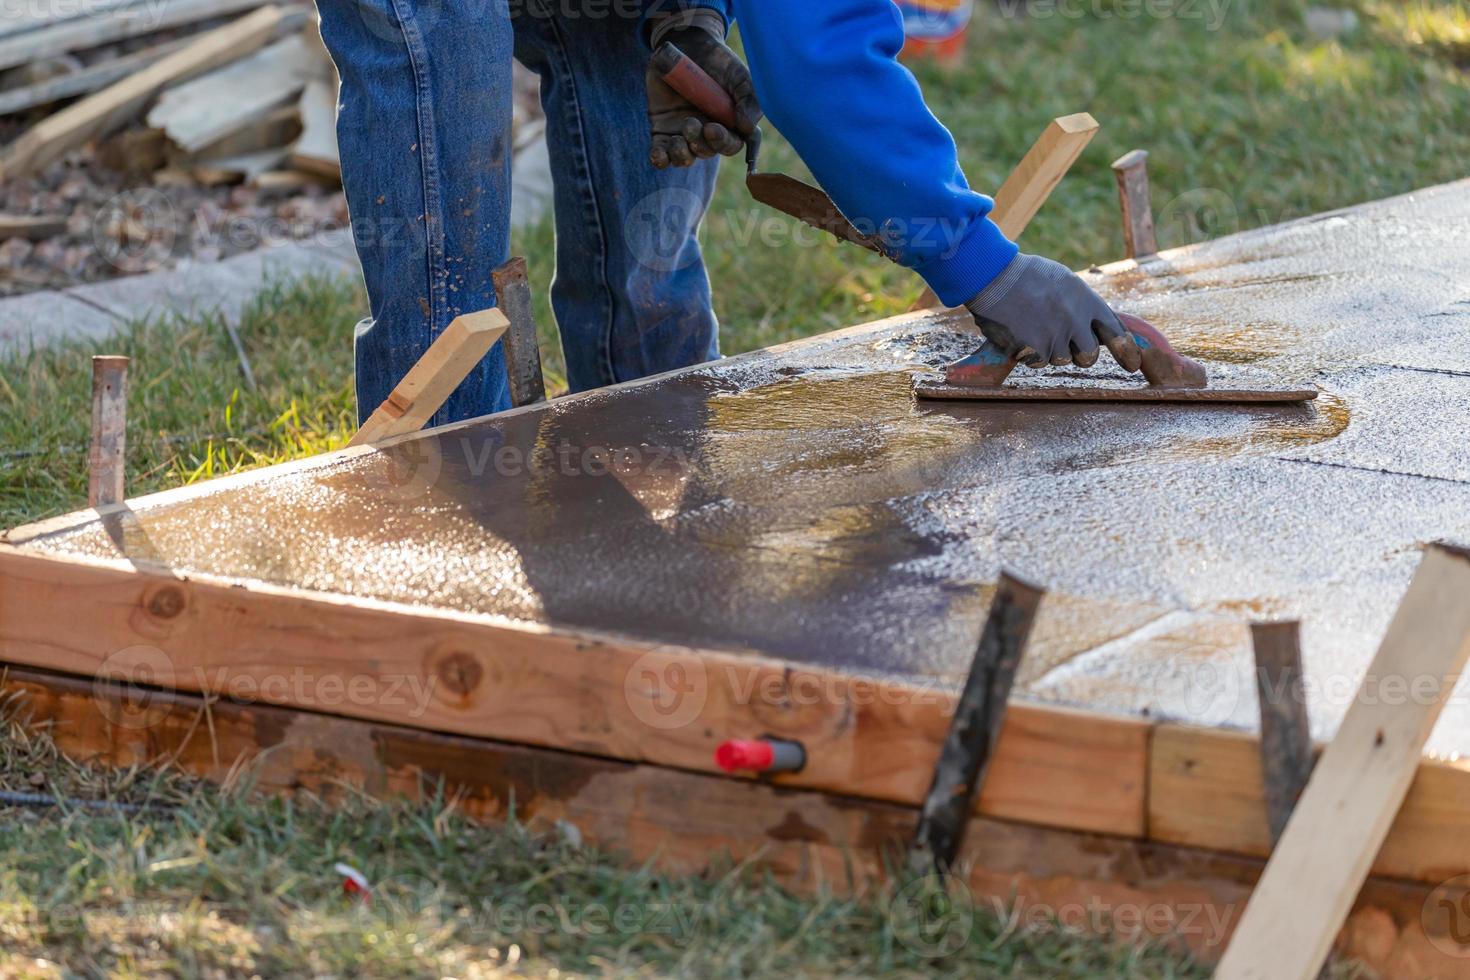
[[981, 376], [786, 194], [1171, 377]]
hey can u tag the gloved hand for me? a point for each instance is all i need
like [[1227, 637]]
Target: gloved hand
[[681, 133], [1041, 313]]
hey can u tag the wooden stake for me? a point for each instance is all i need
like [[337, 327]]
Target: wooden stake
[[1033, 180], [1131, 171], [522, 351], [1286, 737], [430, 382], [1323, 857], [106, 460]]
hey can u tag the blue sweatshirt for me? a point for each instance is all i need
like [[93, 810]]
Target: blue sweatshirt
[[828, 77]]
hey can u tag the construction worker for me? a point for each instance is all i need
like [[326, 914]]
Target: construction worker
[[424, 125]]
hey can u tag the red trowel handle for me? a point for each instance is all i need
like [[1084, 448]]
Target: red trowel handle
[[693, 82], [1163, 366]]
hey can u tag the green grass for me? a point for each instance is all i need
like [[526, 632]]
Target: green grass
[[232, 885], [1247, 124]]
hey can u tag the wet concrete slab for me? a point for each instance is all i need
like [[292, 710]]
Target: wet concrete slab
[[1388, 408], [801, 504]]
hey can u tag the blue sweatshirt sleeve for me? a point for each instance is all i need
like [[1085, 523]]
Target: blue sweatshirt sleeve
[[827, 75], [655, 8]]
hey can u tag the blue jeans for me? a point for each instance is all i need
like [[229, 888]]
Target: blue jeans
[[424, 130]]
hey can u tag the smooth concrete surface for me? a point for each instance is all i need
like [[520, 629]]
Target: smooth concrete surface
[[801, 503]]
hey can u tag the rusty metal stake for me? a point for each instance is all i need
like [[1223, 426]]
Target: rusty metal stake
[[1131, 171], [522, 352], [1286, 737], [973, 731], [106, 460]]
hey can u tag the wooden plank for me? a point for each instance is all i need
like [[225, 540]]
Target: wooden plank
[[94, 115], [89, 79], [56, 13], [230, 170], [426, 386], [216, 104], [130, 21], [315, 150], [1358, 786], [289, 181], [273, 130], [688, 822], [1033, 180], [31, 226], [606, 696], [1206, 790]]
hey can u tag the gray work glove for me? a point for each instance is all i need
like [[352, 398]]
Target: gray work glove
[[1040, 312], [681, 133]]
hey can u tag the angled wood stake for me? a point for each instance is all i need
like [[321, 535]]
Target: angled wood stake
[[1033, 180], [431, 381], [1335, 832], [106, 459]]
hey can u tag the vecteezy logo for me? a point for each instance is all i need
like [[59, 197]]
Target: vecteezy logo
[[410, 469], [123, 688], [659, 230], [1197, 215], [135, 230], [665, 692], [932, 916], [1445, 916]]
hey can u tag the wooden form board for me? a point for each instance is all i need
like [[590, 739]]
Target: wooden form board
[[619, 699], [604, 696], [1356, 789], [688, 822], [1206, 790]]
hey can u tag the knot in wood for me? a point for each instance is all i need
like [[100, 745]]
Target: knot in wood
[[460, 672], [166, 603]]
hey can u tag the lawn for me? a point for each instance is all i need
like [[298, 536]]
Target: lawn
[[1248, 119], [225, 885]]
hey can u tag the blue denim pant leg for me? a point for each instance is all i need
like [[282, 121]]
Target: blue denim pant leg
[[424, 129], [631, 295]]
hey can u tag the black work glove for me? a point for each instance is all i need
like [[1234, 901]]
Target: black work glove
[[1040, 312], [681, 133]]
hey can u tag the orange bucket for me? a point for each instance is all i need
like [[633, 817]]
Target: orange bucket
[[935, 28]]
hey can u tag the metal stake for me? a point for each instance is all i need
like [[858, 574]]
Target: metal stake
[[973, 731], [1131, 171], [522, 352], [1286, 737]]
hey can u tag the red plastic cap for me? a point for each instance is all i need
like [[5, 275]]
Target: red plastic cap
[[756, 754]]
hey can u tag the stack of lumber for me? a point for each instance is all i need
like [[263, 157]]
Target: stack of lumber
[[205, 91]]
